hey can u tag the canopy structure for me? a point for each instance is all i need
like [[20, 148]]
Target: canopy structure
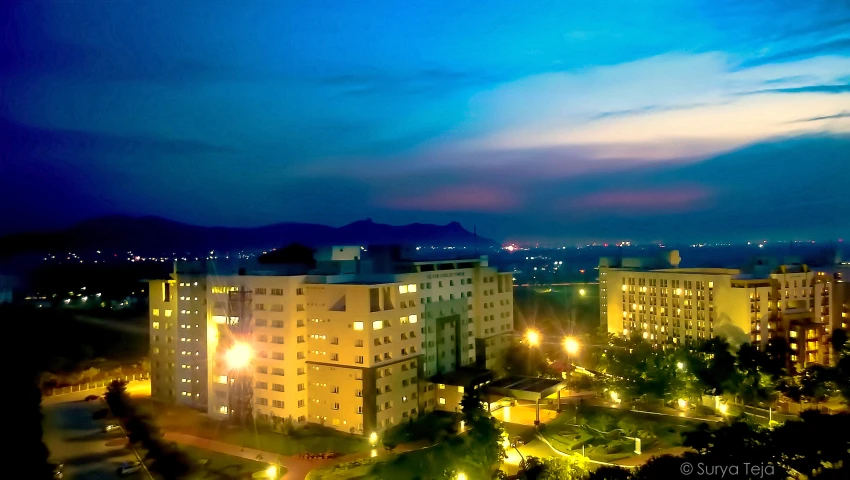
[[527, 388]]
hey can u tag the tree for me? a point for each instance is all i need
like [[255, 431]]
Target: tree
[[564, 468], [606, 472]]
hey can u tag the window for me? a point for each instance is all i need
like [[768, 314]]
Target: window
[[260, 291], [260, 322], [156, 312], [168, 313], [277, 403], [358, 325], [277, 355], [459, 389], [277, 291], [412, 319], [278, 339], [402, 289], [377, 324], [300, 387], [300, 339], [155, 325], [335, 357], [358, 359], [441, 386], [411, 288], [442, 401], [262, 401], [277, 387], [300, 403], [221, 379], [300, 355], [277, 371], [262, 369], [262, 385], [276, 307], [358, 343], [259, 306], [336, 406], [301, 371]]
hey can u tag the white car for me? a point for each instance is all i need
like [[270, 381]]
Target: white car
[[129, 468], [111, 427]]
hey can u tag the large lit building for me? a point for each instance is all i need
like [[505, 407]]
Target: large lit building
[[665, 304], [351, 342]]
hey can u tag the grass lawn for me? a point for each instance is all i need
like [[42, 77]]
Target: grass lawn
[[343, 471], [308, 439], [219, 466]]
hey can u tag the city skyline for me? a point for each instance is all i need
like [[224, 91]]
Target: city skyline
[[670, 120]]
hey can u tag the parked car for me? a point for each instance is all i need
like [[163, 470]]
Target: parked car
[[111, 427], [92, 397], [129, 468], [58, 470]]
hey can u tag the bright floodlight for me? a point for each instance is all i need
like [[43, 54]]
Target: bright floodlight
[[582, 292], [724, 408], [239, 356], [682, 403], [680, 365], [373, 438], [271, 472], [533, 338], [571, 345], [461, 476]]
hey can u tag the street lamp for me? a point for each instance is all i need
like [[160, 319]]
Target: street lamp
[[271, 472], [373, 438], [680, 365], [533, 337], [461, 476], [239, 356], [571, 345], [582, 292]]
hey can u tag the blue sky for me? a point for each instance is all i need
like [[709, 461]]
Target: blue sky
[[650, 120]]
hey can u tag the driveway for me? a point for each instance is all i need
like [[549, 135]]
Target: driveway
[[79, 442]]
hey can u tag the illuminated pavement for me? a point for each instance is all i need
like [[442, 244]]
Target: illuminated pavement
[[79, 442]]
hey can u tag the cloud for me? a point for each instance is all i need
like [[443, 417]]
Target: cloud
[[664, 199], [458, 198], [831, 89], [838, 46], [826, 117]]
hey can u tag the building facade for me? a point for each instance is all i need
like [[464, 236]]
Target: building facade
[[351, 343], [665, 304]]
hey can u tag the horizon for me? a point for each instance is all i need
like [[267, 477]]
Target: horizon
[[681, 121]]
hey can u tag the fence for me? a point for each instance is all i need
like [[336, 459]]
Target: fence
[[49, 392]]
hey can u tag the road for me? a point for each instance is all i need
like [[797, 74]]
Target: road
[[79, 442]]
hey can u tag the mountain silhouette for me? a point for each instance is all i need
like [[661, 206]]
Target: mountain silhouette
[[158, 236]]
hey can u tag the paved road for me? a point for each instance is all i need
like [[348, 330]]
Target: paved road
[[79, 442]]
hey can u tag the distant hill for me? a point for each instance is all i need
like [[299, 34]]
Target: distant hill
[[157, 236]]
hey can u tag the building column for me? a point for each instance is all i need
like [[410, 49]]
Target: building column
[[538, 411], [559, 401]]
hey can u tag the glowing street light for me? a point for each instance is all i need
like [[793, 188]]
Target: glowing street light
[[533, 338], [582, 292], [271, 472], [724, 409], [571, 345], [680, 365], [239, 356], [461, 476], [373, 438], [683, 404]]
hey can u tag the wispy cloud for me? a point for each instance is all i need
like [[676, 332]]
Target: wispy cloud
[[826, 117]]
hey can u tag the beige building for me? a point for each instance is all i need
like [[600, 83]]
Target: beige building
[[351, 343], [665, 304]]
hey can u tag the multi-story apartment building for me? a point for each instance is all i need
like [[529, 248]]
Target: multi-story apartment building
[[666, 304], [350, 343]]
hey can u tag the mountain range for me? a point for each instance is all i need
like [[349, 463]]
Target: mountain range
[[154, 236]]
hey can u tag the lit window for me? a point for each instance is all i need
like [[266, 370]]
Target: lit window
[[156, 312], [377, 324], [222, 379], [402, 289], [412, 319], [441, 386], [358, 325], [411, 288], [459, 389], [155, 325], [222, 409], [442, 401], [793, 334], [168, 313]]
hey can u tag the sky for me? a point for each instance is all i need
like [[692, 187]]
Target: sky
[[690, 120]]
